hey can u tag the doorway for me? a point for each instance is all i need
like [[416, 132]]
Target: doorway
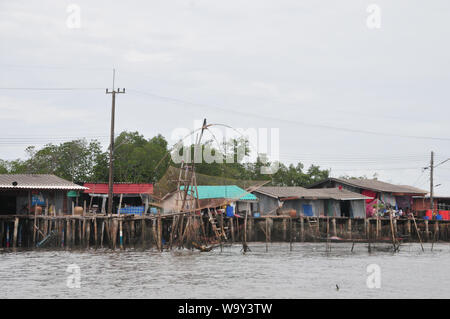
[[345, 208], [7, 205]]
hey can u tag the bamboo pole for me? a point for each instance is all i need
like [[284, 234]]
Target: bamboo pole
[[417, 231], [392, 232]]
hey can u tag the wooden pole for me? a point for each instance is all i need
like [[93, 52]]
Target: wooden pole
[[95, 232], [245, 228], [417, 231], [267, 235], [102, 234], [328, 234], [143, 232], [290, 234], [74, 227], [349, 228], [35, 225], [160, 246], [114, 233], [333, 223], [121, 234], [392, 231], [302, 229], [16, 226], [68, 232], [120, 203], [88, 232], [436, 233], [231, 222]]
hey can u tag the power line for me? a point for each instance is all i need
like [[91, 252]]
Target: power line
[[329, 127], [48, 88], [177, 100]]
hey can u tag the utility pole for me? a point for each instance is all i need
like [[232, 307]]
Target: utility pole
[[111, 145], [431, 183]]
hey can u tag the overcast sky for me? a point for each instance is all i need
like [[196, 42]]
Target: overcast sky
[[354, 99]]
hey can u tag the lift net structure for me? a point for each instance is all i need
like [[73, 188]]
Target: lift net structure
[[183, 190]]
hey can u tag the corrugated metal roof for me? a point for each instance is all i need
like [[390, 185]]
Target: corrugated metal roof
[[375, 185], [282, 191], [119, 188], [36, 181], [301, 192], [223, 191]]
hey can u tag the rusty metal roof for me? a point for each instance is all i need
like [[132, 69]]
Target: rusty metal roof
[[374, 185], [36, 181], [301, 192]]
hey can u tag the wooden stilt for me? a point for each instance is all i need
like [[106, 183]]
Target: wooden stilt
[[143, 229], [349, 228], [88, 231], [102, 234], [160, 246], [114, 233], [302, 228], [121, 234], [394, 242], [267, 235], [333, 223], [74, 225], [16, 227], [290, 233], [231, 223], [95, 232]]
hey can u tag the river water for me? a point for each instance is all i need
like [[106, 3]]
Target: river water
[[308, 271]]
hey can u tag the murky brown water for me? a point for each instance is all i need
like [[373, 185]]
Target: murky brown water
[[306, 272]]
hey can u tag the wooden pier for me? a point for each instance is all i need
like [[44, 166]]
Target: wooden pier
[[188, 230]]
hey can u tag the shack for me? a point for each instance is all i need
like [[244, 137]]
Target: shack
[[132, 197], [398, 196], [21, 193], [213, 196], [337, 202], [422, 206]]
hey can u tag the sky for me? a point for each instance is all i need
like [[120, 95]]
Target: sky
[[344, 95]]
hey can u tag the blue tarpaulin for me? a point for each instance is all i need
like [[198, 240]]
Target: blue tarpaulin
[[307, 210], [137, 210]]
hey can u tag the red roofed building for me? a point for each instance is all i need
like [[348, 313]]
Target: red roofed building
[[126, 195], [119, 188]]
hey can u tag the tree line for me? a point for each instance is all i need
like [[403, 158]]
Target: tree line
[[141, 160]]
